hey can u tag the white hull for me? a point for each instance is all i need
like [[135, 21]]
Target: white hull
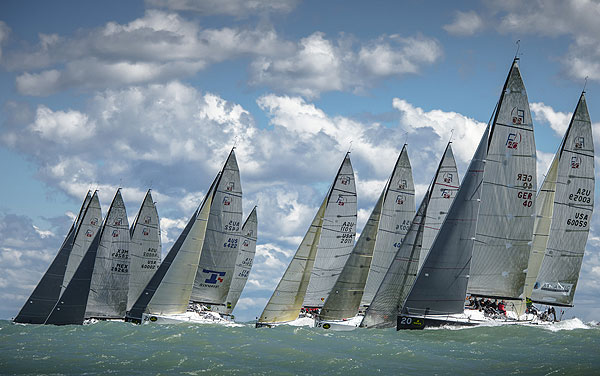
[[189, 318], [339, 325]]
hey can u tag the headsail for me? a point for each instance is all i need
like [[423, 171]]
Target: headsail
[[506, 216], [402, 272], [46, 293], [441, 284], [110, 279], [337, 236], [221, 243], [243, 263], [571, 218], [145, 249], [397, 212], [170, 288]]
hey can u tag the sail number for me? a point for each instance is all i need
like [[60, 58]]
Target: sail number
[[582, 195], [244, 273], [120, 268], [247, 261], [404, 226], [580, 220], [526, 197], [231, 243], [121, 253], [526, 179], [346, 238], [232, 226], [347, 226]]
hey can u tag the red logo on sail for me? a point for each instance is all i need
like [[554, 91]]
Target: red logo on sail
[[226, 201], [513, 140], [245, 244], [579, 143], [341, 200], [118, 221], [147, 220], [230, 186], [575, 162], [518, 116], [448, 177], [400, 199], [345, 180], [115, 234], [89, 233], [145, 231], [445, 193], [403, 184], [94, 221]]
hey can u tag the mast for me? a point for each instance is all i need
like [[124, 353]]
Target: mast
[[110, 278], [221, 243], [243, 263], [403, 270], [170, 288], [145, 251], [397, 213], [43, 298], [506, 216], [572, 211]]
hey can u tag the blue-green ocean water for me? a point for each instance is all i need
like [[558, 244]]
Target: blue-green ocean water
[[119, 348]]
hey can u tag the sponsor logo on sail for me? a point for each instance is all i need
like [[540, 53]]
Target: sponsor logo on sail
[[115, 233], [147, 220], [215, 276], [518, 116], [448, 177], [579, 142], [513, 140], [89, 233], [341, 200], [445, 193], [230, 186], [118, 221], [94, 221], [400, 199], [345, 180], [402, 184], [226, 201], [575, 162], [245, 244], [145, 231]]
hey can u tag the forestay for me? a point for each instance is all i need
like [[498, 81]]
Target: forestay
[[243, 263], [506, 216], [110, 279], [397, 212], [337, 236], [571, 218], [221, 244], [145, 249], [403, 270]]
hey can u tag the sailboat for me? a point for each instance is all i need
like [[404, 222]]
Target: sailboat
[[145, 249], [110, 279], [484, 241], [330, 237], [47, 292], [221, 243], [383, 231], [244, 261], [426, 224], [565, 205]]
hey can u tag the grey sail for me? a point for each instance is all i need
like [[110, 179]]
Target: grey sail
[[110, 279], [443, 192], [87, 228], [397, 213], [402, 272], [571, 218], [243, 263], [169, 289], [507, 213], [221, 244], [45, 295], [70, 307], [145, 249], [289, 295], [441, 284], [344, 299], [337, 236]]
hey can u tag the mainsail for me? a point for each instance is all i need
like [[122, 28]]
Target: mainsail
[[571, 215], [397, 212], [145, 249], [289, 295], [221, 243], [404, 267], [110, 279], [243, 263], [87, 228], [169, 289], [45, 295], [441, 284], [337, 236], [507, 213]]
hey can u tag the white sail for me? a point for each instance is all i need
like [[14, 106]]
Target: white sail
[[110, 278], [286, 301], [87, 227], [402, 272], [397, 213], [507, 213], [337, 236], [171, 286], [442, 194], [221, 243], [571, 217], [243, 263], [145, 249]]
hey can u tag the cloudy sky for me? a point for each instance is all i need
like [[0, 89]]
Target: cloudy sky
[[153, 94]]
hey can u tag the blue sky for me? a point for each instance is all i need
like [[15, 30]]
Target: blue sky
[[154, 94]]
